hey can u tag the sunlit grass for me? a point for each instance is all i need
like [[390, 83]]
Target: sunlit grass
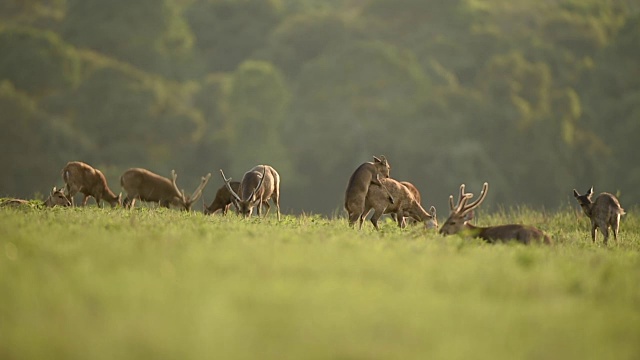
[[155, 283]]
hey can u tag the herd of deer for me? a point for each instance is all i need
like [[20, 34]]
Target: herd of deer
[[369, 188]]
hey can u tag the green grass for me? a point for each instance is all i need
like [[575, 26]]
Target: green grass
[[159, 284]]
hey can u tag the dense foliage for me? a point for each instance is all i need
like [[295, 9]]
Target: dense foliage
[[535, 97]]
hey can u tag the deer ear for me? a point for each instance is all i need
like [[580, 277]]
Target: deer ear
[[376, 160], [384, 159], [468, 216], [575, 193], [590, 192], [432, 209]]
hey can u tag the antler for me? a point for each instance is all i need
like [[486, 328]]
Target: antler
[[264, 170], [462, 200], [196, 194], [483, 194], [174, 177], [226, 183]]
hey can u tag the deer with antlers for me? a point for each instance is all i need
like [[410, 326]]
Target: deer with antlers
[[462, 213], [404, 205], [147, 186], [257, 187], [604, 212], [82, 178]]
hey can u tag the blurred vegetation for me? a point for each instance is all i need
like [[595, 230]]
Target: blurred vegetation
[[535, 97]]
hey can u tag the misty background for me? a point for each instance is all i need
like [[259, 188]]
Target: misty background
[[537, 97]]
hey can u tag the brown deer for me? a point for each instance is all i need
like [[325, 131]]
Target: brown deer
[[605, 211], [404, 204], [56, 198], [358, 186], [416, 194], [462, 213], [147, 186], [258, 185], [223, 199], [81, 177]]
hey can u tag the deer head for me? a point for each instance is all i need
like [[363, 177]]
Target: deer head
[[462, 212], [180, 199], [245, 205], [57, 198]]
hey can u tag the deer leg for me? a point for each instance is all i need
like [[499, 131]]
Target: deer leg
[[374, 218], [615, 227], [605, 233], [266, 203], [276, 201], [353, 218], [593, 232], [85, 199]]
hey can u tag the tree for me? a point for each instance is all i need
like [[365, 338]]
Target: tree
[[257, 102], [36, 61]]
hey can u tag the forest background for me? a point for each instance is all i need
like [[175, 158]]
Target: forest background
[[537, 97]]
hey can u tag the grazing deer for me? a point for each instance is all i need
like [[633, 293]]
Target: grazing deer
[[603, 212], [81, 177], [404, 204], [416, 194], [462, 213], [358, 186], [56, 198], [223, 199], [258, 185], [147, 186]]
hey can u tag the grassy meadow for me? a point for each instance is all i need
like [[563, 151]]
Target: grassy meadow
[[92, 283]]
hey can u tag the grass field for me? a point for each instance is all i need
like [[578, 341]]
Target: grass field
[[159, 284]]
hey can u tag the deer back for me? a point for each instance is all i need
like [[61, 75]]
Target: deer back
[[378, 199], [148, 186], [523, 234], [414, 190], [606, 206]]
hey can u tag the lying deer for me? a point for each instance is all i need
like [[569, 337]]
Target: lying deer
[[223, 199], [605, 212], [81, 177], [147, 186], [56, 198], [358, 186], [404, 204], [462, 213], [258, 185]]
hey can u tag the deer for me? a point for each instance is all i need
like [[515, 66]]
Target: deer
[[404, 205], [83, 178], [604, 212], [56, 198], [462, 213], [223, 199], [358, 186], [257, 187], [416, 193], [147, 186]]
